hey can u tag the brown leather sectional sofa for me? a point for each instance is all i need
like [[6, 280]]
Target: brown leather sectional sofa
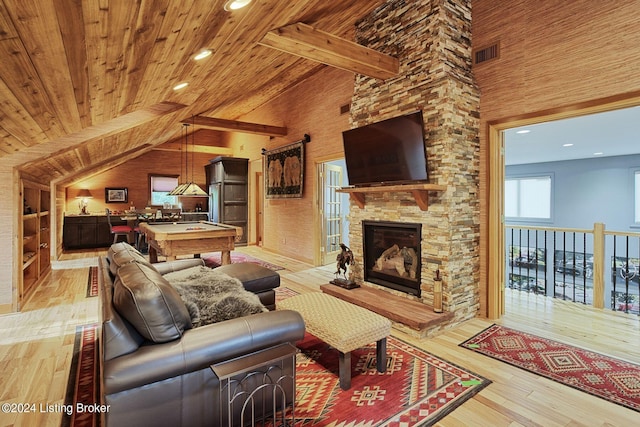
[[155, 367]]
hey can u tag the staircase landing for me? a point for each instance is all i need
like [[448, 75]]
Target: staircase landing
[[415, 315]]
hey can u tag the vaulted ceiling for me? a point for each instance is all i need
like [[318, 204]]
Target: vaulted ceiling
[[88, 84]]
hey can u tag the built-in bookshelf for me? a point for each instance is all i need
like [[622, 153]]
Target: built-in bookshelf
[[36, 237]]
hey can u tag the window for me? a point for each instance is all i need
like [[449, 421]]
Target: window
[[637, 196], [160, 186], [528, 198]]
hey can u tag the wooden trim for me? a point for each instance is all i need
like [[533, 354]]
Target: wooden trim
[[318, 244], [16, 244], [616, 102], [317, 217], [496, 172], [495, 274]]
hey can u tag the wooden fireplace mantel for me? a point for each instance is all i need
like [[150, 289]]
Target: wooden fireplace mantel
[[420, 192]]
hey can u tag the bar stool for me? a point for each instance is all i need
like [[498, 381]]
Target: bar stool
[[171, 214], [118, 230], [143, 215]]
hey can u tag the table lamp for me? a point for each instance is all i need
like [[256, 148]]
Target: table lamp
[[84, 195]]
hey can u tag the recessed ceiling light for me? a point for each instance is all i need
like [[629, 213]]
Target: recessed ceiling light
[[203, 54], [180, 86], [599, 153], [235, 4], [567, 145], [522, 132]]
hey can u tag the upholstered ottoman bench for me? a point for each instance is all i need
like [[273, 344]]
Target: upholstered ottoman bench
[[255, 278], [342, 325]]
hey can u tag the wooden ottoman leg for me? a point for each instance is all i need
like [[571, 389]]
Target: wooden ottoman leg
[[345, 370], [381, 355]]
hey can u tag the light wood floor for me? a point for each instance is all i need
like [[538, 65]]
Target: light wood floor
[[36, 348]]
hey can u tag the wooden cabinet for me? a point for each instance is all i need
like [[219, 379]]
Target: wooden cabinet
[[195, 216], [228, 178], [104, 238], [88, 231], [35, 256]]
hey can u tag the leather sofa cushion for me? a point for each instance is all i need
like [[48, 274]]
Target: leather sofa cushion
[[122, 255], [118, 247], [143, 297]]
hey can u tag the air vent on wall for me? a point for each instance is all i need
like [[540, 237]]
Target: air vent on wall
[[486, 53], [345, 108]]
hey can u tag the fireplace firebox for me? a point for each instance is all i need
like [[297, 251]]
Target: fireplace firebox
[[392, 255]]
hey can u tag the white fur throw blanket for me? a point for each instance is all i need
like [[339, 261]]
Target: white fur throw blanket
[[213, 297]]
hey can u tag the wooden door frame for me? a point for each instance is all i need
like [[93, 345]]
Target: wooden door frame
[[496, 176], [317, 218], [259, 208]]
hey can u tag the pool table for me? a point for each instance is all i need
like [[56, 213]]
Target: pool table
[[171, 239]]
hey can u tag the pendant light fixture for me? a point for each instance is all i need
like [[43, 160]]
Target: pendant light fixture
[[188, 188]]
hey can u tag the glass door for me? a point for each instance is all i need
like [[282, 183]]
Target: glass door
[[332, 211]]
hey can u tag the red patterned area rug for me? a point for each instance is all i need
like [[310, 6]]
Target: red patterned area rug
[[418, 388], [92, 283], [611, 379], [212, 260], [83, 383]]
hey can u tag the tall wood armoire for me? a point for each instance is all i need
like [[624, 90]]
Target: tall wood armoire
[[228, 180]]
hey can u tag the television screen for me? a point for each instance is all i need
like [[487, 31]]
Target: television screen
[[386, 152]]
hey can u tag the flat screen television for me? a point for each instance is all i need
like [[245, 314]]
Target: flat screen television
[[388, 152]]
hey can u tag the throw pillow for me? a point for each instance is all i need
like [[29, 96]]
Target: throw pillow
[[143, 297]]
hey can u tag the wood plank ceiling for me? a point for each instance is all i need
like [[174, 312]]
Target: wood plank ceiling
[[87, 84]]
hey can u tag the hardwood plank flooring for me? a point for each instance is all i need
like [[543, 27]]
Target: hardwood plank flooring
[[36, 347]]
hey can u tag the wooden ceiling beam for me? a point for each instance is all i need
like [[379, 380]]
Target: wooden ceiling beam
[[236, 126], [303, 40], [206, 149]]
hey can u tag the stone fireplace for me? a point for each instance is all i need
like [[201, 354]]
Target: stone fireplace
[[432, 40], [391, 255]]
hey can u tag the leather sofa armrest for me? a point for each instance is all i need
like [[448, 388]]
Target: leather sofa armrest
[[179, 264], [201, 347]]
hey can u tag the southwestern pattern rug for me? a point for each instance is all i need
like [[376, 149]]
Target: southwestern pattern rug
[[418, 388], [608, 378], [212, 260], [92, 283], [83, 383]]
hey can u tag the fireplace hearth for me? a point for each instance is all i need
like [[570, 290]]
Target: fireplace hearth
[[392, 255]]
